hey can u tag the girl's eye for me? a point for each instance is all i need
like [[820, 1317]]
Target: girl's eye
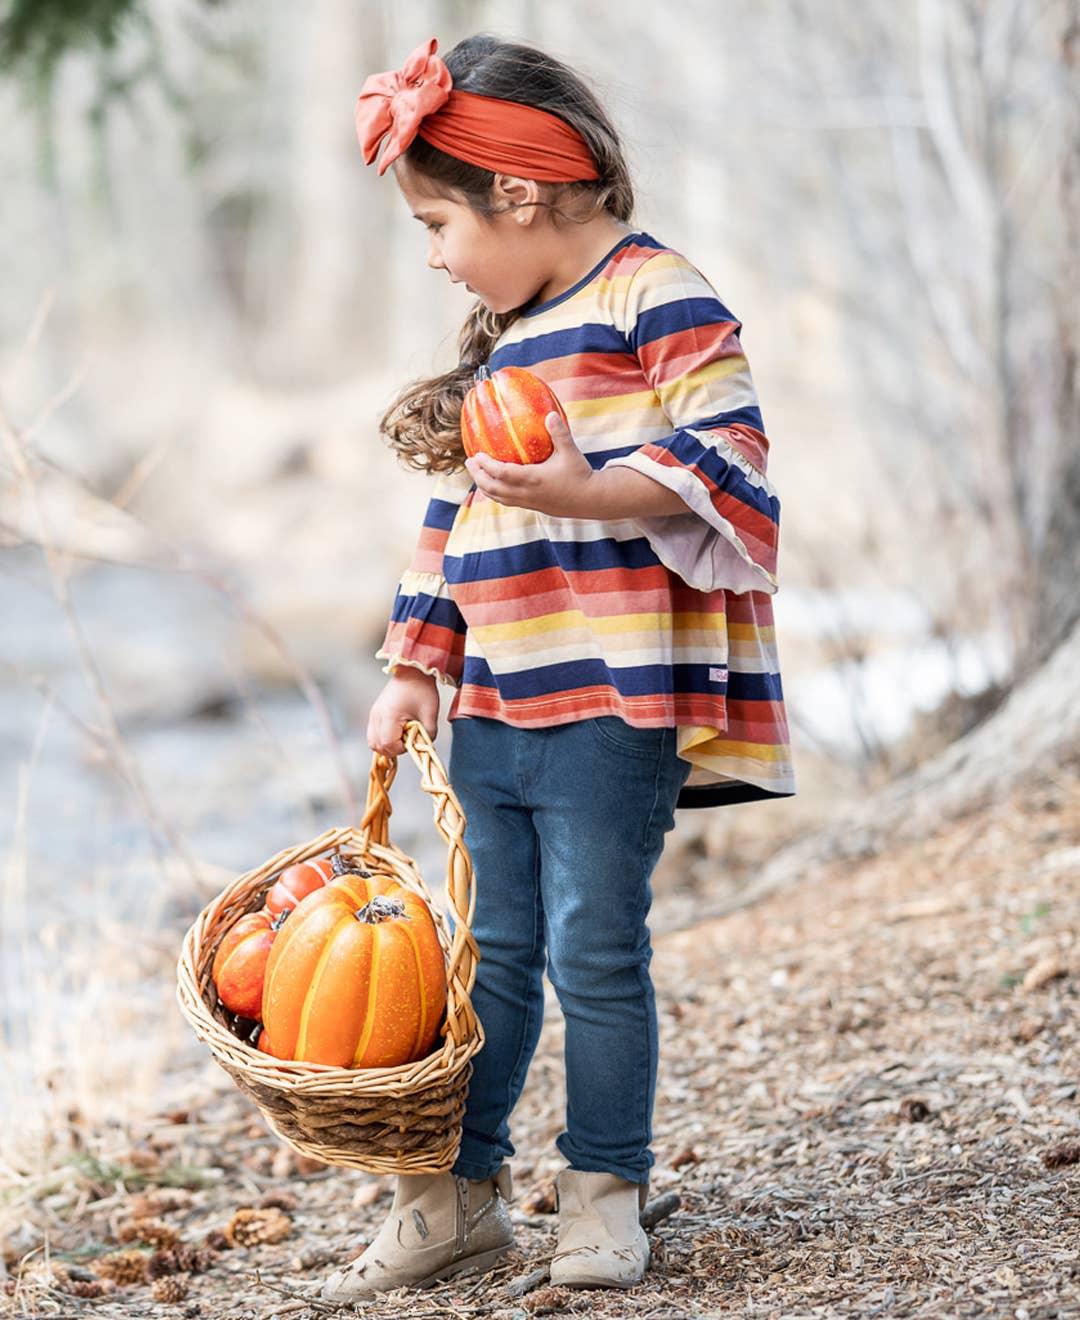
[[434, 226]]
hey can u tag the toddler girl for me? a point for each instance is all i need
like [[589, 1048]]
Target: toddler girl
[[604, 618]]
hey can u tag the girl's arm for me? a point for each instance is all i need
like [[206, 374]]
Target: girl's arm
[[426, 630]]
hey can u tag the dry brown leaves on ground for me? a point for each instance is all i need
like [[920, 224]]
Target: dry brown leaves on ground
[[867, 1106]]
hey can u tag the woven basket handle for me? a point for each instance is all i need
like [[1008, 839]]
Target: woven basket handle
[[450, 822]]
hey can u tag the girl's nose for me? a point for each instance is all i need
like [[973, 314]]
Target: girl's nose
[[434, 260]]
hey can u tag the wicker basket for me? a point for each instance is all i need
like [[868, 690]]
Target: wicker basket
[[405, 1119]]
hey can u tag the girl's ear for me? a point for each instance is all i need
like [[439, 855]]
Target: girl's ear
[[521, 195]]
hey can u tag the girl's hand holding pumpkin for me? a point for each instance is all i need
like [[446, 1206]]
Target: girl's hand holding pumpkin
[[410, 695], [559, 486], [565, 484]]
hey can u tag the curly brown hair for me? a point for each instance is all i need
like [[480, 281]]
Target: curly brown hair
[[423, 424]]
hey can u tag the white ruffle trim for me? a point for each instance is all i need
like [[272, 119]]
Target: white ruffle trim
[[395, 658], [686, 542]]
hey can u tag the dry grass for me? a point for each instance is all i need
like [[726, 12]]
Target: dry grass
[[868, 1107]]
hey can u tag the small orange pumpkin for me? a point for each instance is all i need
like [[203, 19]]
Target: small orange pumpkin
[[503, 415], [356, 979], [240, 961]]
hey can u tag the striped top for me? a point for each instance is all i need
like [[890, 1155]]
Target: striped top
[[662, 621]]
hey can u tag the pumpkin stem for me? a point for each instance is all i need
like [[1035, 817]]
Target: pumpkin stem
[[482, 373], [279, 920], [343, 866], [381, 908]]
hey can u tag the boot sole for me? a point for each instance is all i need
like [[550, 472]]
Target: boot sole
[[481, 1263], [583, 1281]]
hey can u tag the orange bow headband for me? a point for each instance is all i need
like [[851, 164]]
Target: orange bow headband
[[503, 136]]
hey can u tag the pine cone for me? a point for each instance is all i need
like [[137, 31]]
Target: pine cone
[[249, 1227], [160, 1201], [173, 1288], [123, 1267], [1058, 1157], [279, 1201], [184, 1259], [216, 1240], [162, 1263], [544, 1301], [152, 1231], [77, 1288]]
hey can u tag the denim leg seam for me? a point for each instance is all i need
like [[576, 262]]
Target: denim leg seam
[[528, 1019], [652, 1061]]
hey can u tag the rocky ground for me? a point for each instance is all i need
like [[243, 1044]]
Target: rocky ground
[[867, 1107]]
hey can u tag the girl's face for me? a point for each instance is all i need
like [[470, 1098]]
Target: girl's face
[[497, 257]]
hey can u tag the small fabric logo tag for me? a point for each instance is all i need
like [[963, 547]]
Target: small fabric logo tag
[[716, 675]]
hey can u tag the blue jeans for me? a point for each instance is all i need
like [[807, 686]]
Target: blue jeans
[[565, 825]]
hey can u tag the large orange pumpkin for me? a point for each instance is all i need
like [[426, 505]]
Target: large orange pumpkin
[[503, 415], [240, 961], [356, 978]]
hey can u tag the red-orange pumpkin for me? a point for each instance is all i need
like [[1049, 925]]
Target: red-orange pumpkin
[[240, 962], [503, 415], [356, 978], [296, 882]]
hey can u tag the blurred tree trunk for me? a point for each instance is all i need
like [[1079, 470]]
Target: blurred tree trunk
[[1058, 568]]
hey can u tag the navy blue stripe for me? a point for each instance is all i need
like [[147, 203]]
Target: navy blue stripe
[[601, 457], [749, 416], [441, 514], [533, 556], [578, 339], [571, 675], [436, 610], [679, 314], [754, 687]]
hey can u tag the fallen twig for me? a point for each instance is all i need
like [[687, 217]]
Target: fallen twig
[[657, 1211], [527, 1282]]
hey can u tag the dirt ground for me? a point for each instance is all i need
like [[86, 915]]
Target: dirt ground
[[867, 1107]]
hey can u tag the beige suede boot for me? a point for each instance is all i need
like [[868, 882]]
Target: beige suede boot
[[439, 1225], [601, 1241]]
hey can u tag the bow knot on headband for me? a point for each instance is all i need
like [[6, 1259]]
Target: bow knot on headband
[[391, 105], [419, 100]]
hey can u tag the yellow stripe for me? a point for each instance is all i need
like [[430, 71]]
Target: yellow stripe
[[313, 987], [677, 389], [747, 632], [373, 994], [704, 752], [636, 400], [564, 620]]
